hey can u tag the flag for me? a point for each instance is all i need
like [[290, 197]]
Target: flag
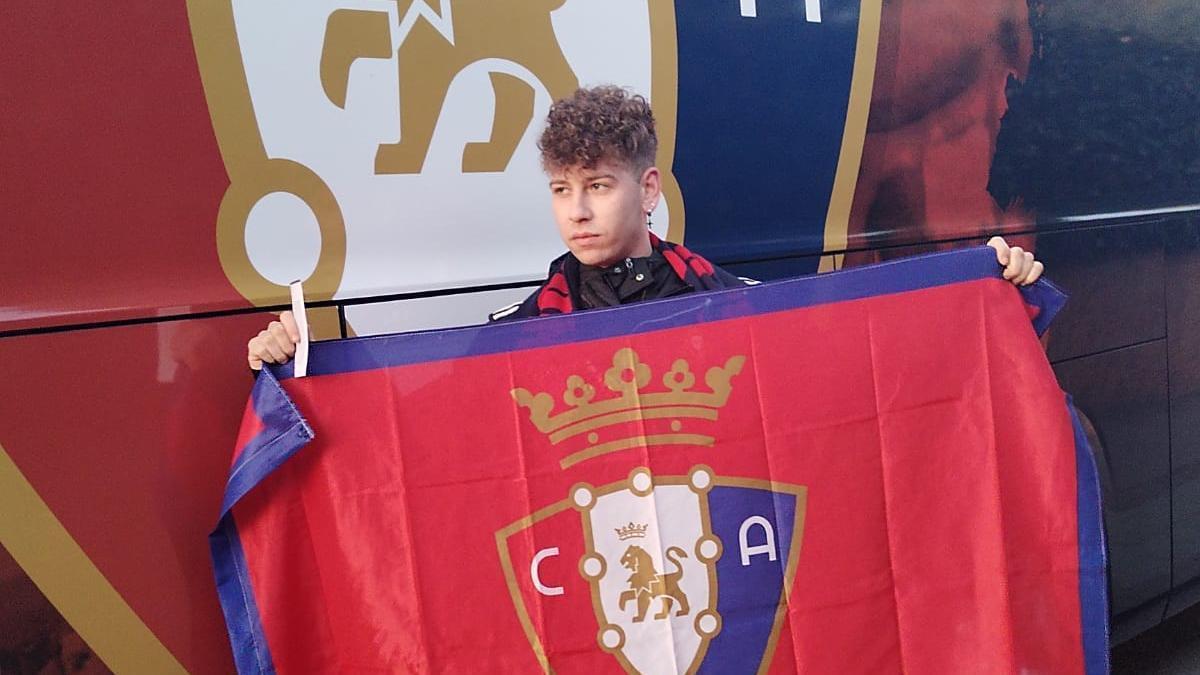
[[864, 471]]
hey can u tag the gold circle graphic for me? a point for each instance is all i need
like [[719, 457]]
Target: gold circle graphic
[[709, 548], [583, 496], [597, 563], [611, 638], [708, 623], [641, 483], [267, 177], [701, 478]]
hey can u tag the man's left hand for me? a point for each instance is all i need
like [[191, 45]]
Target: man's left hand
[[1020, 267]]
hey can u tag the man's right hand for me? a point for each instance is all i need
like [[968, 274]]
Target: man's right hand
[[276, 344]]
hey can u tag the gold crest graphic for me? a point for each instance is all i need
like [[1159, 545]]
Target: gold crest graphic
[[441, 44], [431, 43], [627, 378]]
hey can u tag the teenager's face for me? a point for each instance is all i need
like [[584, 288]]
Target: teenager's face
[[601, 212]]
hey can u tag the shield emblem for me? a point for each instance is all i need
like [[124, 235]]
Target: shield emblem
[[651, 563], [657, 574]]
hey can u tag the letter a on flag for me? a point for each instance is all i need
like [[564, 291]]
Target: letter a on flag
[[860, 472]]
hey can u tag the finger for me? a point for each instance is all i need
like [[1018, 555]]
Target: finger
[[281, 338], [1026, 267], [1001, 247], [1016, 256], [1035, 273], [269, 348], [1024, 263], [252, 357], [289, 324]]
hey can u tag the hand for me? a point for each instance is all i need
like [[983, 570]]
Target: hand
[[275, 344], [1019, 265]]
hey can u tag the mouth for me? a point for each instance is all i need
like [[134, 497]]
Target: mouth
[[584, 236]]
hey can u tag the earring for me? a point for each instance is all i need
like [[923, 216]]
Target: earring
[[648, 221]]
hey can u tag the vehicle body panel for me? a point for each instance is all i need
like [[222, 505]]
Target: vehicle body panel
[[169, 166]]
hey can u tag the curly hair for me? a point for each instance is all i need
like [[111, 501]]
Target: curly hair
[[598, 124]]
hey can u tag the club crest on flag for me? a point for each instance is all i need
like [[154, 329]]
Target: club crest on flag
[[666, 574], [663, 573]]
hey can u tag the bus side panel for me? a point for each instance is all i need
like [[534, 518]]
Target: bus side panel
[[1109, 350], [111, 175], [1183, 352], [125, 436]]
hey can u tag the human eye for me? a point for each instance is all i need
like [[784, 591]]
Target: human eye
[[598, 186]]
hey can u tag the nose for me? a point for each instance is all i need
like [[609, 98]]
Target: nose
[[581, 209]]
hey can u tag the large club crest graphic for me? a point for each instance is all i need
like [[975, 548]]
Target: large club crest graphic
[[653, 573], [347, 128]]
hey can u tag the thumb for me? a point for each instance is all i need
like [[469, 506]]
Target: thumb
[[1002, 250]]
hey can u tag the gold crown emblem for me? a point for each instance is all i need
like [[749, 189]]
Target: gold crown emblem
[[631, 531], [628, 378]]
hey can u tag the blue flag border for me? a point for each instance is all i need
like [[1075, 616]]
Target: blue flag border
[[898, 276], [1093, 552]]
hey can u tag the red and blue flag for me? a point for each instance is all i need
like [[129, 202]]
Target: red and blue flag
[[864, 471]]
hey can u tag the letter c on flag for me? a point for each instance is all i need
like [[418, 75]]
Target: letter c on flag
[[535, 574]]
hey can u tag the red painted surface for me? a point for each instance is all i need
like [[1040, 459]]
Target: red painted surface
[[125, 433], [111, 175]]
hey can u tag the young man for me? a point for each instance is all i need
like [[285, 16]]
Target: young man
[[598, 150]]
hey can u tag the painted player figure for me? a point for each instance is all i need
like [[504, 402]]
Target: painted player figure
[[598, 151]]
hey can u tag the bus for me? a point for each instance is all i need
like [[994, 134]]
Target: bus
[[168, 167]]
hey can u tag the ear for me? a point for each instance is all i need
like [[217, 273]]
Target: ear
[[651, 183]]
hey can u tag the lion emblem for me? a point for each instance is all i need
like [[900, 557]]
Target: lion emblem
[[646, 584], [437, 46]]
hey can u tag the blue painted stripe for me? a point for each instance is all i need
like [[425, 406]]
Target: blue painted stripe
[[910, 274], [799, 73], [1093, 588]]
